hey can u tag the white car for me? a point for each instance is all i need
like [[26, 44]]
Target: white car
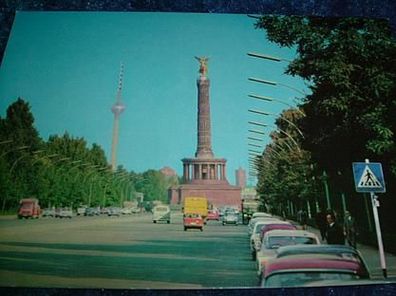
[[260, 214], [230, 218], [126, 211], [65, 213], [81, 211], [252, 222], [276, 238], [255, 241], [161, 213]]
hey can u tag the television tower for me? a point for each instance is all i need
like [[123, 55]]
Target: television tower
[[117, 109]]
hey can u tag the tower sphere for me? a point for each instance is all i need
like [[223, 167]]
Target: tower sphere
[[118, 108]]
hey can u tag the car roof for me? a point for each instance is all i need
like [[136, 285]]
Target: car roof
[[290, 232], [261, 214], [307, 263], [274, 226], [321, 249], [268, 222]]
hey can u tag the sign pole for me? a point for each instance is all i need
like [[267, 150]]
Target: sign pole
[[375, 204]]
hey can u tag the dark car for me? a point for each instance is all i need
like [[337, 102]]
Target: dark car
[[91, 212], [114, 211]]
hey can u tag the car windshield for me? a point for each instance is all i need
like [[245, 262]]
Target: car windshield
[[278, 241], [295, 279], [259, 227], [161, 209]]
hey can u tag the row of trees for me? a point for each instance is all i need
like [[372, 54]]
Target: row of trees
[[64, 171], [349, 115]]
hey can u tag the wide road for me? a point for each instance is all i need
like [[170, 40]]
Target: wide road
[[122, 252]]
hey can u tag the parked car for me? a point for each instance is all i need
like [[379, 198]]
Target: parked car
[[104, 211], [91, 212], [255, 242], [304, 270], [213, 215], [341, 251], [274, 238], [48, 212], [230, 218], [114, 211], [81, 211], [253, 221], [136, 210], [126, 211], [65, 213], [275, 226], [260, 214], [193, 221]]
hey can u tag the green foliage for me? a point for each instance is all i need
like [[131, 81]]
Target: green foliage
[[285, 173], [351, 66]]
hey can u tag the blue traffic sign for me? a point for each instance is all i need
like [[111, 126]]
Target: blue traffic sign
[[368, 177]]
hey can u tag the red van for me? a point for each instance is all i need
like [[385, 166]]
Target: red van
[[29, 207]]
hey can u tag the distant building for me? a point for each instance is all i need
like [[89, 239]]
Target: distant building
[[240, 177], [169, 172], [249, 193]]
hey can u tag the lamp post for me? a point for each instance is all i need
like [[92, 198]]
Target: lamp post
[[16, 149], [267, 57], [274, 115], [269, 99], [326, 187], [280, 130], [274, 83], [6, 142]]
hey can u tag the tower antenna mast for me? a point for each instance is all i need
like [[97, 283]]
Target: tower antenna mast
[[117, 109]]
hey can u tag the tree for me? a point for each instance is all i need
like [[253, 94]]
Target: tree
[[284, 175], [350, 65]]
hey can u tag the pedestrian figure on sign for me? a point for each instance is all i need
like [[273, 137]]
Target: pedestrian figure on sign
[[334, 232], [321, 223], [350, 229]]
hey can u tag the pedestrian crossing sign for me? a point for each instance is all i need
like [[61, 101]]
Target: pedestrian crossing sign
[[368, 177]]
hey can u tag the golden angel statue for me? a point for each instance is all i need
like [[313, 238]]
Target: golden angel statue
[[203, 65]]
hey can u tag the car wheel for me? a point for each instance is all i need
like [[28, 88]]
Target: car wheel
[[223, 223], [154, 221], [168, 222], [185, 228], [201, 228]]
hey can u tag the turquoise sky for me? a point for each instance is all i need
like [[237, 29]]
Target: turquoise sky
[[66, 66]]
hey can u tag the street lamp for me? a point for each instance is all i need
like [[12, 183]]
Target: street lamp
[[326, 187], [6, 142], [280, 117], [280, 130], [255, 139], [269, 99], [267, 57], [254, 145], [256, 132], [16, 149], [274, 83]]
